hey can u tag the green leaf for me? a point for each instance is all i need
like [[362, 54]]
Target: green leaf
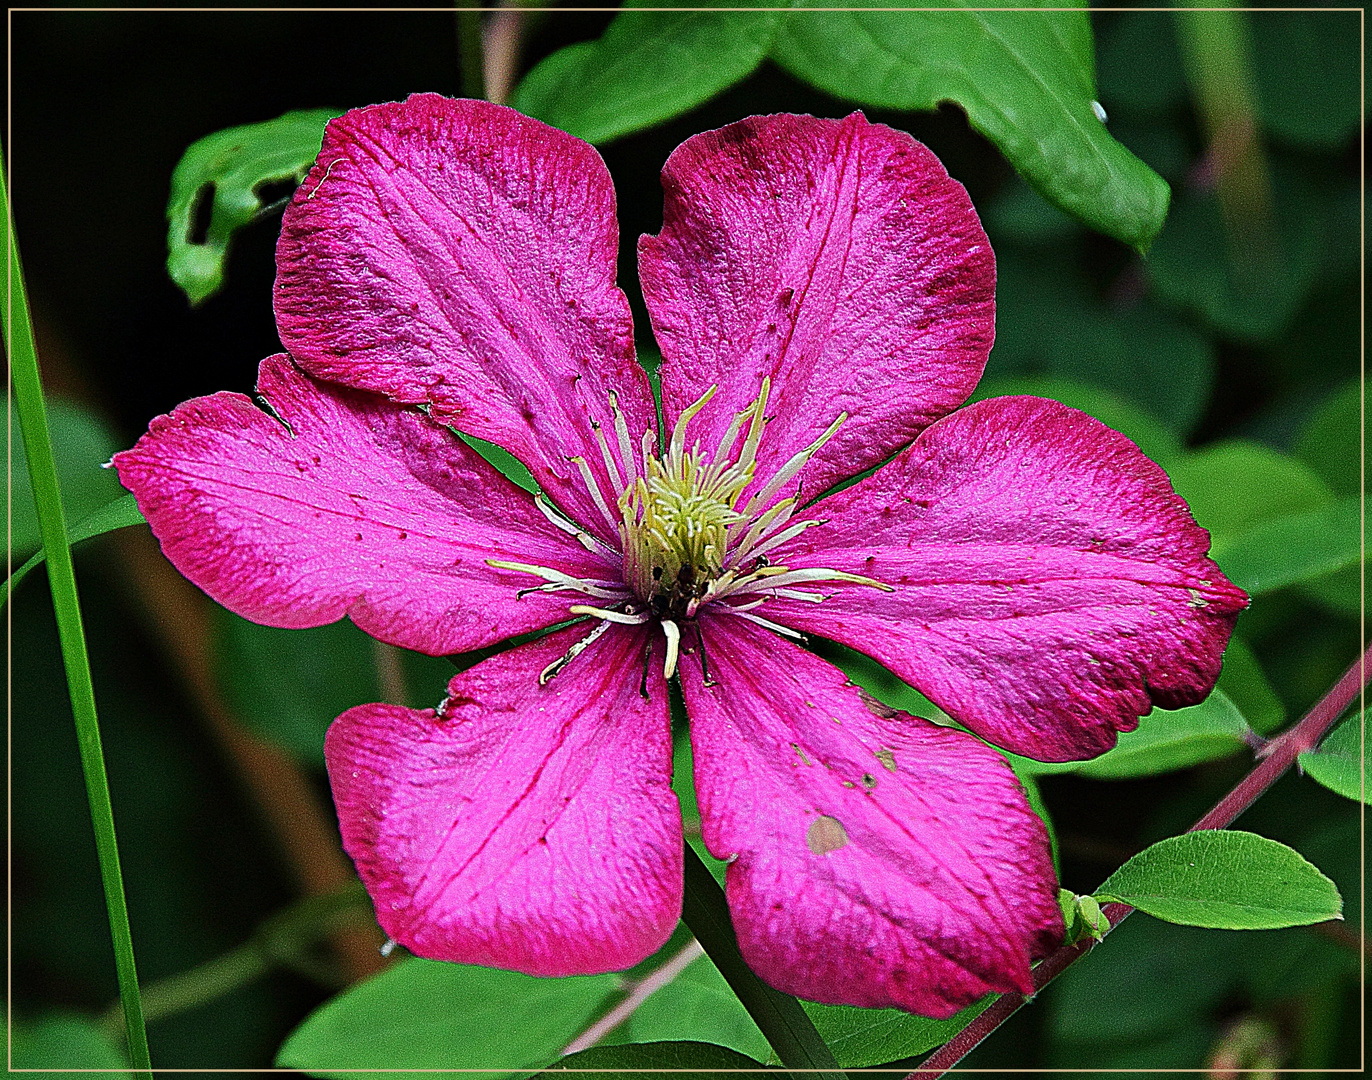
[[1224, 880], [780, 1017], [1245, 684], [1050, 320], [422, 1014], [64, 1042], [1330, 440], [683, 783], [863, 1037], [1191, 265], [1154, 439], [1236, 484], [605, 1062], [81, 443], [697, 1005], [647, 67], [1340, 763], [503, 462], [1025, 78], [289, 685], [1082, 917], [1308, 73], [119, 514], [1170, 739], [227, 173], [1294, 548]]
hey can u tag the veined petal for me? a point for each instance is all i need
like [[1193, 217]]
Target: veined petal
[[836, 257], [521, 826], [1050, 587], [346, 505], [457, 253], [875, 861]]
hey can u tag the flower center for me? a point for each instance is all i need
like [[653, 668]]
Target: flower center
[[693, 529]]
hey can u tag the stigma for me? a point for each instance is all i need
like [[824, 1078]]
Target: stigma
[[695, 529]]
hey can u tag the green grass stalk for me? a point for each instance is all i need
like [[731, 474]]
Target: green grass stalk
[[33, 424]]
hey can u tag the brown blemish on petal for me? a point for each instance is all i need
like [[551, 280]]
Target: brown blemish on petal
[[825, 835], [887, 758], [874, 706], [869, 781]]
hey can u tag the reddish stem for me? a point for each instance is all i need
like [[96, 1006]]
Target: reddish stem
[[1277, 757]]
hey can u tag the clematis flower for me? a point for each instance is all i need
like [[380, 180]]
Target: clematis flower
[[822, 293]]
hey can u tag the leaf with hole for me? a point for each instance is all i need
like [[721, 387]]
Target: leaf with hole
[[648, 66], [228, 180], [1340, 763], [1025, 78], [424, 1015], [1224, 880]]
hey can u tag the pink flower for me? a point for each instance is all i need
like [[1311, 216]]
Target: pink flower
[[823, 296]]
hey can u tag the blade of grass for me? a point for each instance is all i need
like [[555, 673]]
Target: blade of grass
[[33, 425]]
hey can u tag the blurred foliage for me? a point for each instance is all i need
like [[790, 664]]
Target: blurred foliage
[[1245, 388], [81, 444]]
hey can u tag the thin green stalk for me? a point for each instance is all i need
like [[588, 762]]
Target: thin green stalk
[[33, 424], [281, 941], [1217, 53], [780, 1016], [471, 59]]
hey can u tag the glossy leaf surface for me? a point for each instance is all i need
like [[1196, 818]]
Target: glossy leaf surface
[[699, 1006], [647, 67], [863, 1037], [1025, 78], [1169, 739], [1295, 547], [1224, 880], [422, 1014]]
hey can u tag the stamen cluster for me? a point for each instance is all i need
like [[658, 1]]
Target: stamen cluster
[[691, 530]]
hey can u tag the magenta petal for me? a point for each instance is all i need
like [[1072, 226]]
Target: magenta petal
[[875, 861], [359, 508], [457, 253], [521, 827], [1050, 587], [836, 257]]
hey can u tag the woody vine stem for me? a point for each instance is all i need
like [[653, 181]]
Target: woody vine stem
[[1275, 758]]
